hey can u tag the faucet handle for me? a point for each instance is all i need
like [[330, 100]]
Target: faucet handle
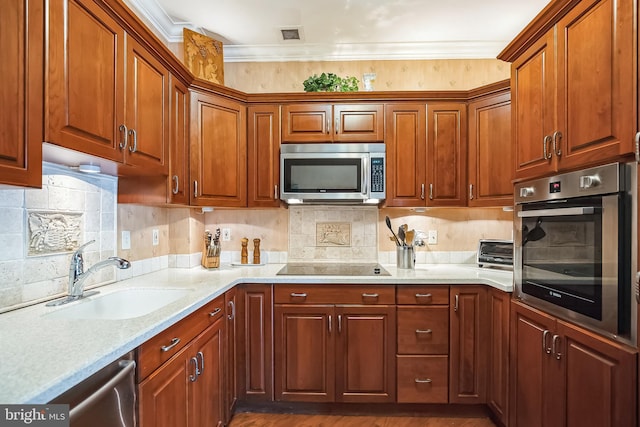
[[82, 247]]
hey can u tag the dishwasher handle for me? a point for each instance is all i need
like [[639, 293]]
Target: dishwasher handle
[[127, 366]]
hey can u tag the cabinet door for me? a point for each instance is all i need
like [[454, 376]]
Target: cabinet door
[[490, 155], [84, 108], [599, 378], [255, 343], [306, 123], [206, 403], [21, 95], [498, 366], [304, 346], [406, 143], [467, 354], [358, 122], [596, 97], [533, 108], [147, 106], [218, 151], [231, 348], [263, 153], [165, 394], [365, 358], [178, 192], [532, 396]]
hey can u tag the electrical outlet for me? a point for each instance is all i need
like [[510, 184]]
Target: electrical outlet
[[432, 238], [226, 234], [126, 240], [156, 237]]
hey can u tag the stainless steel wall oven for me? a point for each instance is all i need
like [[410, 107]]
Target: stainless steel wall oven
[[574, 247]]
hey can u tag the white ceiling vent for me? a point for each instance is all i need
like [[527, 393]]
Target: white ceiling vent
[[292, 33]]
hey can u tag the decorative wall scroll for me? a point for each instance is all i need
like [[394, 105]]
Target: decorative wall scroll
[[203, 56]]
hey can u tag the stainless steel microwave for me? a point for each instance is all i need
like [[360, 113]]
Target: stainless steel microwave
[[333, 173]]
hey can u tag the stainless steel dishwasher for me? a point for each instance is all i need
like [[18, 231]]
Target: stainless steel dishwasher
[[105, 399]]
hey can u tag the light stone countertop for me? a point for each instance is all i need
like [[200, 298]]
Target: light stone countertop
[[42, 356]]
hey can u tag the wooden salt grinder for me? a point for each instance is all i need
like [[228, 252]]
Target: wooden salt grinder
[[244, 253], [256, 251]]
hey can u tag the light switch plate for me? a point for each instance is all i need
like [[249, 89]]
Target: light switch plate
[[126, 240], [156, 237]]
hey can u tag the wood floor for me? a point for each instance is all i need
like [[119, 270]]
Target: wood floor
[[248, 419]]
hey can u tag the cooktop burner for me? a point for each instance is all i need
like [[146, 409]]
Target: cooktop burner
[[332, 269]]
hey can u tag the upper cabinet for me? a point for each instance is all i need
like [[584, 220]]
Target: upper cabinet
[[218, 151], [490, 154], [21, 95], [178, 191], [106, 94], [572, 87], [332, 123], [426, 154], [263, 150]]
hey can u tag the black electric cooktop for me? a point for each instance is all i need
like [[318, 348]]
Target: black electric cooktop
[[332, 269]]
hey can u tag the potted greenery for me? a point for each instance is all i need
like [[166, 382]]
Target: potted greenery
[[330, 82]]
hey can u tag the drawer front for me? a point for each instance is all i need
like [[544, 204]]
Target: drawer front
[[160, 348], [334, 294], [423, 379], [423, 330], [423, 295]]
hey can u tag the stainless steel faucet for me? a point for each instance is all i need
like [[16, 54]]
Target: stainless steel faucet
[[77, 275]]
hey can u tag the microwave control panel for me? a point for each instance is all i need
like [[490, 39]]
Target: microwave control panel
[[377, 174]]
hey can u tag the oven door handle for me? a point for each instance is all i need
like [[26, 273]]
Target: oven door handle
[[585, 210]]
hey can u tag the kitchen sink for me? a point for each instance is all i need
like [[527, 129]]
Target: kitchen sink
[[120, 304]]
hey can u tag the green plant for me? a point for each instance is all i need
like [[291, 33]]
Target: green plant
[[330, 82]]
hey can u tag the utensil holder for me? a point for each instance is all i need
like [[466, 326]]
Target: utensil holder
[[405, 257]]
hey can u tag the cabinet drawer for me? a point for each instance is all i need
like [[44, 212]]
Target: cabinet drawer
[[423, 379], [423, 295], [334, 294], [160, 348], [423, 330]]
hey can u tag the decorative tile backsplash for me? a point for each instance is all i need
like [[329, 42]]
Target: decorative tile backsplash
[[40, 228], [333, 234]]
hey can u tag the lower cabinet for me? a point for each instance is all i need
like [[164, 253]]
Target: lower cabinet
[[563, 375], [342, 352], [231, 346], [498, 354], [187, 389]]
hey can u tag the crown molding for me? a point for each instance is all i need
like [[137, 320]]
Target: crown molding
[[170, 31]]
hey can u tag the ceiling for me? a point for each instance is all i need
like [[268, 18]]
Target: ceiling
[[333, 30]]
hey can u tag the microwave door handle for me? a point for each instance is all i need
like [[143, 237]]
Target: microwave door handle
[[585, 210], [365, 176]]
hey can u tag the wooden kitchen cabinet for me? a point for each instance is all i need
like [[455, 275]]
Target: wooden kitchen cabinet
[[218, 151], [22, 25], [332, 122], [232, 333], [186, 390], [563, 375], [178, 182], [107, 95], [334, 352], [468, 348], [498, 354], [255, 342], [263, 154], [572, 93], [490, 155]]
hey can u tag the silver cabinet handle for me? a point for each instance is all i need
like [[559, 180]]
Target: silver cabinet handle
[[329, 323], [545, 150], [637, 287], [193, 377], [176, 184], [430, 191], [557, 135], [423, 295], [134, 135], [337, 125], [423, 331], [455, 304], [556, 350], [339, 323], [174, 342], [470, 191], [637, 147], [233, 310], [545, 348], [276, 195], [422, 192], [195, 188], [125, 141], [298, 295], [200, 356], [425, 381], [365, 295], [215, 312], [328, 126]]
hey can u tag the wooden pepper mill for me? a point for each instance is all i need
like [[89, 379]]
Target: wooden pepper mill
[[244, 253], [256, 251]]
